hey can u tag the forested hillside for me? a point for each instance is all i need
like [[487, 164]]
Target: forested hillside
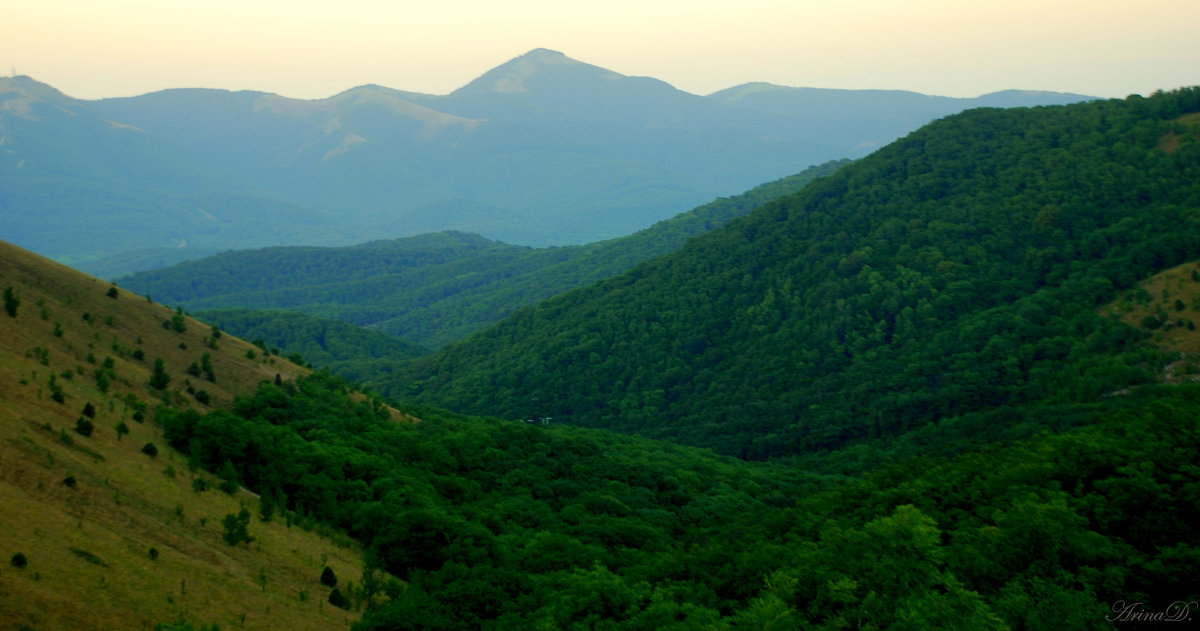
[[478, 523], [512, 525], [434, 288], [333, 345], [958, 269]]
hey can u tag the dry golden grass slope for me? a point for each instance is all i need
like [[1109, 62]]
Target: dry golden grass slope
[[87, 511], [1167, 307]]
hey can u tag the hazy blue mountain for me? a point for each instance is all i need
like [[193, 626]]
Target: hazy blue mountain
[[541, 150], [858, 121], [285, 143], [80, 187], [396, 165]]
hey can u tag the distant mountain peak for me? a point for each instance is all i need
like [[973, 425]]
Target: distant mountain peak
[[24, 83], [30, 88], [547, 56], [515, 75], [19, 93]]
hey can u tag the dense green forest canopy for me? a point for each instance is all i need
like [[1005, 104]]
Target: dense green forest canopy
[[510, 525], [434, 288], [331, 344], [958, 269]]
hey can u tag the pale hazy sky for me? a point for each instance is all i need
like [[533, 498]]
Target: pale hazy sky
[[317, 48]]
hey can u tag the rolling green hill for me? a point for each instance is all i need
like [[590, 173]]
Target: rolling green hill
[[957, 269], [513, 525], [434, 288]]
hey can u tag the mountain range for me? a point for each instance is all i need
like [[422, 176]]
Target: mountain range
[[540, 150]]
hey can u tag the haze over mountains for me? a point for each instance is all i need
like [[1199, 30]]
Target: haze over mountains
[[540, 150]]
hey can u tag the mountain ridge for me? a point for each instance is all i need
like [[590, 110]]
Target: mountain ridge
[[736, 91], [80, 185], [579, 154]]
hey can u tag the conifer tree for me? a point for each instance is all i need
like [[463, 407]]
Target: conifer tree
[[11, 302], [160, 379]]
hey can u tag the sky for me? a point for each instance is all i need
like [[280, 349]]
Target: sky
[[316, 48]]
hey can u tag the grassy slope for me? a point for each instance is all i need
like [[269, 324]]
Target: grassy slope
[[88, 544], [1165, 307]]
